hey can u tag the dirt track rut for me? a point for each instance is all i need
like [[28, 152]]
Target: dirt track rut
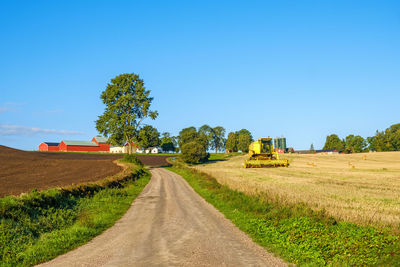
[[170, 225]]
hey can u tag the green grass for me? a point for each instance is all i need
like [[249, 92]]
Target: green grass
[[39, 226], [222, 156], [297, 233]]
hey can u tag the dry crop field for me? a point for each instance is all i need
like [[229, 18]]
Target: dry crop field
[[361, 188]]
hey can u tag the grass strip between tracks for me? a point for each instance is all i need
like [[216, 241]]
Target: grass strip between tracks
[[38, 226], [297, 233]]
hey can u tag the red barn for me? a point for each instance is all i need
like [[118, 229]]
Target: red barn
[[102, 143], [48, 146], [86, 146]]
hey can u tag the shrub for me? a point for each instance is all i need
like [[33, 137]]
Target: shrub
[[131, 158], [194, 152]]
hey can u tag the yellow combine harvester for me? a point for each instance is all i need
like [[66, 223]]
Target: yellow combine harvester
[[261, 153]]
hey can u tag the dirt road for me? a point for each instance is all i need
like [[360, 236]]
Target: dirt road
[[170, 225]]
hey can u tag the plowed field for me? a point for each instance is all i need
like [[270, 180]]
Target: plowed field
[[22, 171]]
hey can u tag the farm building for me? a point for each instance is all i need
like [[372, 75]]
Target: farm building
[[125, 149], [153, 150], [118, 149], [327, 151], [102, 143], [67, 145], [48, 146]]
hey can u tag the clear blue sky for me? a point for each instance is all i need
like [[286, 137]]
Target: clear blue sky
[[302, 69]]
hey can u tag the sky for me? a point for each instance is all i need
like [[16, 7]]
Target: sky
[[299, 69]]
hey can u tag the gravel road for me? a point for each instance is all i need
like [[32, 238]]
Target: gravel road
[[169, 225]]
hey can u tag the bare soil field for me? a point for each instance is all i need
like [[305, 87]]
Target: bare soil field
[[22, 171], [361, 188], [153, 160]]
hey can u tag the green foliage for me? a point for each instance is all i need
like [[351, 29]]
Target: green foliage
[[355, 144], [244, 140], [193, 145], [41, 225], [187, 135], [194, 152], [245, 132], [206, 131], [312, 148], [148, 137], [371, 143], [127, 105], [218, 138], [334, 142], [388, 140], [131, 158], [295, 232], [232, 142], [215, 136], [167, 143]]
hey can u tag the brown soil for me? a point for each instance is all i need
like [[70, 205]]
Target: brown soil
[[22, 171], [153, 160]]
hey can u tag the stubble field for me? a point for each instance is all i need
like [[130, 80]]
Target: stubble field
[[360, 188]]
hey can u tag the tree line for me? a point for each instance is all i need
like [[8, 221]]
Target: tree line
[[387, 140], [195, 143], [127, 105]]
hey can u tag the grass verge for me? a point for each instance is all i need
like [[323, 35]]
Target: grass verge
[[295, 232], [38, 226]]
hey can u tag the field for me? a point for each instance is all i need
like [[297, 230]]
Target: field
[[22, 171], [360, 188]]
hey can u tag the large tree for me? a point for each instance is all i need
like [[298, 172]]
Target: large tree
[[207, 132], [148, 137], [246, 132], [333, 142], [167, 143], [389, 139], [244, 140], [193, 145], [231, 142], [187, 135], [355, 144], [218, 138], [127, 105]]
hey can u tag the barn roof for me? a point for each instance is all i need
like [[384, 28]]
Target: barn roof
[[79, 143], [101, 139], [51, 143]]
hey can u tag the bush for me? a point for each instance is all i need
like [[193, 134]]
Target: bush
[[131, 158], [194, 152]]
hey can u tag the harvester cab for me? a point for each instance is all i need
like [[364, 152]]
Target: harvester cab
[[261, 155]]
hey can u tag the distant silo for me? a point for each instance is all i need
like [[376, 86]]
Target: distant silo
[[280, 143]]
